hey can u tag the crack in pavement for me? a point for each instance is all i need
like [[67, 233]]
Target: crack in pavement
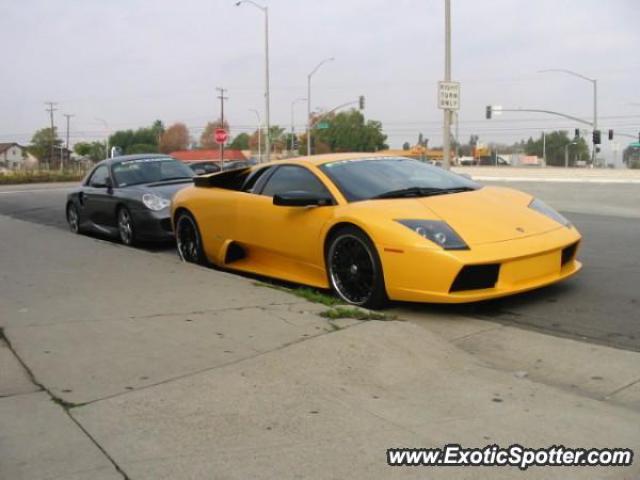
[[66, 406], [624, 387]]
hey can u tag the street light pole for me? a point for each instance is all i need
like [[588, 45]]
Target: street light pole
[[301, 99], [330, 59], [265, 10], [259, 139], [594, 82]]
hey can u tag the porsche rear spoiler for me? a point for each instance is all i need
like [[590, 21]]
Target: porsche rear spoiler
[[229, 179]]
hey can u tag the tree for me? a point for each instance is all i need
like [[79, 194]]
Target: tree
[[279, 140], [41, 144], [207, 139], [406, 146], [346, 132], [142, 148], [631, 156], [176, 137], [142, 140], [158, 129], [240, 142], [555, 148], [95, 150]]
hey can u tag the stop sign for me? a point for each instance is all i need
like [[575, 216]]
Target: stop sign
[[221, 135]]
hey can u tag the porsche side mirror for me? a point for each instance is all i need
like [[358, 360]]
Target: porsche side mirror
[[106, 184], [301, 199]]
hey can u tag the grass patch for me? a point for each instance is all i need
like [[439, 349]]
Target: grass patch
[[17, 178], [336, 313], [309, 294]]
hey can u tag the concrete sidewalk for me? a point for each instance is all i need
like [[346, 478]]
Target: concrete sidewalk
[[141, 367]]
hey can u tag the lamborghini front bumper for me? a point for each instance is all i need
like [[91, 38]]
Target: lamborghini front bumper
[[425, 274]]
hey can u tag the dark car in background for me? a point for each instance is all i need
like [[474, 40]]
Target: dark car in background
[[128, 197], [205, 167]]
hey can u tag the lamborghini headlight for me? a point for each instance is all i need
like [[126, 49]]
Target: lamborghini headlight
[[155, 202], [541, 207], [438, 232]]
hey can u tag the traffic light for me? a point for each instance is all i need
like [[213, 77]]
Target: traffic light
[[361, 102], [610, 134], [596, 137], [576, 134], [488, 113]]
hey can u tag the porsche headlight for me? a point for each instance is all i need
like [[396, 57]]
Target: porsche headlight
[[541, 207], [155, 202], [438, 232]]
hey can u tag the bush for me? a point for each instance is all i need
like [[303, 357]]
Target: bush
[[42, 176]]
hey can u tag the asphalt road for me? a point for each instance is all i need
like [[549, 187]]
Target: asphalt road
[[601, 304]]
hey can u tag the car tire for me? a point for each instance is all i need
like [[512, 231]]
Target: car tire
[[188, 240], [126, 227], [73, 218], [354, 269]]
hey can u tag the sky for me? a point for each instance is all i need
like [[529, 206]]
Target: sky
[[121, 64]]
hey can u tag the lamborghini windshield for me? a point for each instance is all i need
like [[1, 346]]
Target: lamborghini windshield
[[370, 178]]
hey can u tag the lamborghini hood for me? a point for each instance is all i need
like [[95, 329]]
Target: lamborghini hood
[[487, 215]]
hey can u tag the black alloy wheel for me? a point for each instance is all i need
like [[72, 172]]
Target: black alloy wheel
[[73, 218], [188, 240], [126, 228], [354, 268]]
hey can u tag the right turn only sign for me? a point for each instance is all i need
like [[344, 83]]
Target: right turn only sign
[[449, 95]]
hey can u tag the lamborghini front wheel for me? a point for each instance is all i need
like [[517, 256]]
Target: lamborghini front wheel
[[354, 269]]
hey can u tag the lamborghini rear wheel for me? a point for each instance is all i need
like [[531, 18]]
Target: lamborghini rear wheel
[[354, 269]]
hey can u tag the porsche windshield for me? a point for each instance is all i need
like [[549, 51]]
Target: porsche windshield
[[150, 170], [364, 179]]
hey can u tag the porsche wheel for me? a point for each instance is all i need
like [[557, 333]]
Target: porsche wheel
[[354, 268], [126, 228], [188, 240], [73, 218]]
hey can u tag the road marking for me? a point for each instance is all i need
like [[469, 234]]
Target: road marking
[[558, 180], [35, 190]]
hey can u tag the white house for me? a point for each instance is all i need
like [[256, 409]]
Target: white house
[[16, 157]]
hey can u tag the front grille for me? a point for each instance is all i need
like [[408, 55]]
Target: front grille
[[568, 253], [476, 277]]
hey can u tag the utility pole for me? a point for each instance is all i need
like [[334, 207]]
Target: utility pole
[[544, 148], [222, 99], [53, 134], [68, 117], [446, 128]]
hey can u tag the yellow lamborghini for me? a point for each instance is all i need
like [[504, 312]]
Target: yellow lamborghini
[[374, 228]]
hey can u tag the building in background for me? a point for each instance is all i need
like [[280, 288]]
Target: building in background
[[16, 157]]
